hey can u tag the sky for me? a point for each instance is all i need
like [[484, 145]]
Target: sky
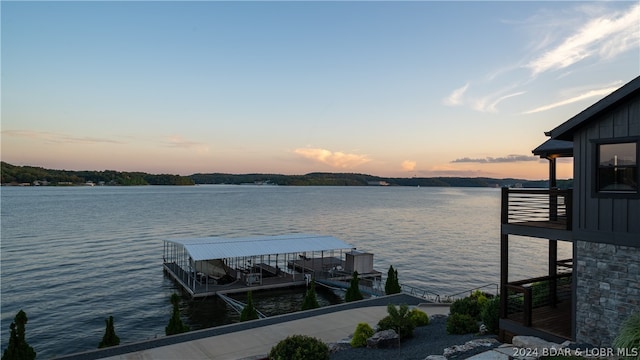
[[398, 89]]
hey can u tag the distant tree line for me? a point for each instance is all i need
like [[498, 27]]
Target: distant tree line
[[353, 179], [30, 174]]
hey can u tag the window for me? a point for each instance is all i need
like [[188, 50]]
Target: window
[[617, 167]]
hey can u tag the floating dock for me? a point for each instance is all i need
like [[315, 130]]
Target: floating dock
[[213, 265]]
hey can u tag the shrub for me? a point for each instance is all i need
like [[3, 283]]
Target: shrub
[[461, 324], [300, 347], [480, 298], [490, 315], [466, 306], [629, 334], [392, 285], [398, 320], [249, 312], [310, 299], [363, 332], [110, 338], [175, 325], [353, 292], [18, 348], [418, 317]]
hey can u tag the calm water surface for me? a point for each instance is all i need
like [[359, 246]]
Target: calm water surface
[[73, 256]]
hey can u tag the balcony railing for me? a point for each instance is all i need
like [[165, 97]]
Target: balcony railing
[[548, 208]]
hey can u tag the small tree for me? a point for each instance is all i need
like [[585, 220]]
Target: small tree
[[392, 285], [353, 292], [110, 338], [399, 319], [175, 323], [249, 311], [18, 349], [310, 300]]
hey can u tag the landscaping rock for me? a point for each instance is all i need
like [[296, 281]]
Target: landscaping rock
[[386, 339], [473, 345]]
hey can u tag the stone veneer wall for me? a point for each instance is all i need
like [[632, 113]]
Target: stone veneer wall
[[608, 290]]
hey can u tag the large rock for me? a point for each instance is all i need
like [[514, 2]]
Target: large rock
[[386, 339], [472, 345]]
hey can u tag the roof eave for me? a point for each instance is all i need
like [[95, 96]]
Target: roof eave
[[565, 130]]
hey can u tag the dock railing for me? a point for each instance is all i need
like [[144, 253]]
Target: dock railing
[[422, 293], [453, 297], [537, 207]]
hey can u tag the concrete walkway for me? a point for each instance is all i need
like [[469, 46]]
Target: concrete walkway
[[258, 342], [254, 339]]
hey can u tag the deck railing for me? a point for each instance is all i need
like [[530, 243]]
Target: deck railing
[[537, 207], [525, 295]]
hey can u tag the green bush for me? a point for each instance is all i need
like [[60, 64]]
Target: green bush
[[480, 298], [466, 306], [249, 311], [363, 332], [392, 285], [398, 320], [300, 347], [461, 324], [629, 334], [490, 315], [175, 325], [110, 338], [310, 299], [418, 317], [18, 348], [353, 292]]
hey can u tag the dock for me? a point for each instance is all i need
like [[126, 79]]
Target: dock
[[209, 266]]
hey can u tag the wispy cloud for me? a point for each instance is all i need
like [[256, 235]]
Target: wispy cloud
[[58, 137], [490, 160], [605, 36], [334, 159], [574, 40], [579, 97], [178, 141], [456, 97]]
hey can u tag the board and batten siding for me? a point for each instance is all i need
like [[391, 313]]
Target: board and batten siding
[[605, 219]]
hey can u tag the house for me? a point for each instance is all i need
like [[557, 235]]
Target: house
[[587, 297]]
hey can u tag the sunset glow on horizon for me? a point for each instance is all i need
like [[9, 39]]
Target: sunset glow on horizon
[[392, 89]]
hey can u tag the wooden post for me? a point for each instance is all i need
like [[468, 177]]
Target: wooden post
[[528, 306], [553, 272], [504, 274]]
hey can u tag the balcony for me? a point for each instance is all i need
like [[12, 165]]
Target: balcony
[[543, 213]]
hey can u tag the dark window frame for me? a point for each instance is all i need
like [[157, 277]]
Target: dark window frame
[[595, 189]]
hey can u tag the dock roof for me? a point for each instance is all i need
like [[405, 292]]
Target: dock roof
[[208, 248]]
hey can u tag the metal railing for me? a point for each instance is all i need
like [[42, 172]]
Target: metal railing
[[525, 295], [452, 297], [537, 207]]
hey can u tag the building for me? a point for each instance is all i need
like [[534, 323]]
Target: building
[[586, 298]]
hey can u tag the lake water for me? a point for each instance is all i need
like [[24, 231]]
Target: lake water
[[73, 256]]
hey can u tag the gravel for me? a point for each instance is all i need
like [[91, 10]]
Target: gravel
[[427, 340]]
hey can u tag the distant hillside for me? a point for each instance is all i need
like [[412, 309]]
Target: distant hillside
[[351, 179], [29, 175]]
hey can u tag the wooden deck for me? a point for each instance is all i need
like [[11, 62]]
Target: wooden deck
[[208, 288], [266, 277], [554, 321]]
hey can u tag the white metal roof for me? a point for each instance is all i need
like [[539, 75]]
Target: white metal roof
[[220, 248]]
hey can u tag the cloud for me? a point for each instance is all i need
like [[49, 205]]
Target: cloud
[[605, 37], [57, 137], [333, 159], [180, 142], [455, 98], [585, 95], [490, 103], [408, 165], [492, 160]]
